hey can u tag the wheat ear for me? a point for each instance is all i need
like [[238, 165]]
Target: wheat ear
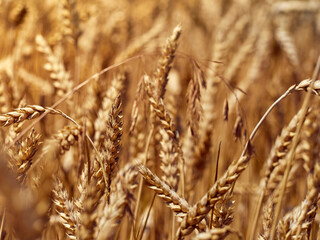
[[28, 148], [120, 201], [112, 140], [309, 205], [100, 124], [70, 20], [216, 193], [306, 101], [165, 62], [66, 211], [286, 41], [225, 183], [88, 213], [58, 73], [27, 113], [169, 161], [163, 191]]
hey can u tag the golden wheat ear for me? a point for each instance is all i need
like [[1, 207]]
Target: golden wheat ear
[[27, 113], [121, 200], [65, 209], [161, 73], [88, 214], [111, 96], [177, 204], [24, 158], [111, 144], [301, 226], [61, 78], [222, 187], [169, 161], [280, 150]]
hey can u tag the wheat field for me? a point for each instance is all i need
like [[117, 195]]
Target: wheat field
[[136, 119]]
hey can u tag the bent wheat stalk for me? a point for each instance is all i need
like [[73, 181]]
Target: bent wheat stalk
[[227, 181], [313, 84]]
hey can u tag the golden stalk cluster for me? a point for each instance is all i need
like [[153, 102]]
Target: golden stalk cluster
[[186, 119]]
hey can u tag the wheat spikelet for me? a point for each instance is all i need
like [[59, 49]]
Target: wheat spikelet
[[24, 157], [164, 63], [82, 189], [111, 145], [280, 148], [67, 137], [26, 113], [289, 221], [305, 84], [216, 193], [165, 118], [277, 176], [218, 234], [159, 108], [197, 162], [58, 73], [267, 220], [65, 209], [169, 161], [223, 212], [302, 224], [287, 44], [171, 198], [193, 95], [88, 213], [112, 93], [284, 224], [306, 150], [120, 201], [70, 20]]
